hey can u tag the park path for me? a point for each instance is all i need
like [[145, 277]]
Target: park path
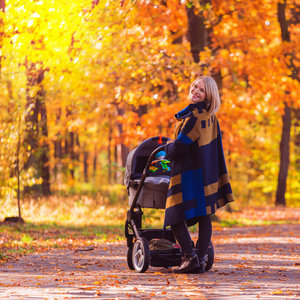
[[255, 262]]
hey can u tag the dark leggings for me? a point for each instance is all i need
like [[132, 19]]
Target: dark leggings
[[183, 237]]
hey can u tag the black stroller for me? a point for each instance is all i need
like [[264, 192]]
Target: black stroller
[[148, 189]]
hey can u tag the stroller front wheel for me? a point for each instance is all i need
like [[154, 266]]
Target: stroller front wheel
[[140, 255], [129, 259], [209, 258]]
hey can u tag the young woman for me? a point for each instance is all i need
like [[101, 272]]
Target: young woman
[[199, 180]]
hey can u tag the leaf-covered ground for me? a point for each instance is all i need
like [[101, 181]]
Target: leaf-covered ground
[[251, 262]]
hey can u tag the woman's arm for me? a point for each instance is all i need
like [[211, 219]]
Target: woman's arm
[[189, 133], [175, 149]]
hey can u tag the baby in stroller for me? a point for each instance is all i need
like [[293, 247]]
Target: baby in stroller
[[147, 179]]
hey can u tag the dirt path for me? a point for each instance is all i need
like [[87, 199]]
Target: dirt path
[[261, 262]]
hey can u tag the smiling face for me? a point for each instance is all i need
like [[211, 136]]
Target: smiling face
[[197, 91]]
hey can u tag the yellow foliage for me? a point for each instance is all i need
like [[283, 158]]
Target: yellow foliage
[[112, 65]]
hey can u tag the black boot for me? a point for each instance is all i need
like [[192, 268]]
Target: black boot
[[189, 264]]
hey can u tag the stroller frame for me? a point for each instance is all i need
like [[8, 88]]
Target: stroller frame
[[139, 255]]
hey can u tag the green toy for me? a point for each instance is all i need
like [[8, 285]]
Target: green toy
[[163, 162]]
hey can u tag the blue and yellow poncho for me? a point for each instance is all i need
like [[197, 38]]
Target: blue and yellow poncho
[[199, 182]]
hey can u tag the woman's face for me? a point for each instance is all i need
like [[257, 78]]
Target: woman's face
[[197, 92]]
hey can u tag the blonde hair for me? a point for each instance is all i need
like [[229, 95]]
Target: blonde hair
[[211, 92]]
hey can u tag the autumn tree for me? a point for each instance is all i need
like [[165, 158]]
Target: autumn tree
[[219, 31], [104, 76], [289, 53]]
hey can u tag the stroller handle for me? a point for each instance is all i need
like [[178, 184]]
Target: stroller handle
[[145, 173]]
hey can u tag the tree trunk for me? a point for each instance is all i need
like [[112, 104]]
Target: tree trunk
[[122, 150], [115, 163], [284, 156], [19, 169], [37, 129], [109, 154], [95, 159], [44, 164], [297, 137], [284, 27], [58, 152], [200, 37], [85, 166], [2, 5], [196, 33], [32, 107], [286, 120], [73, 152]]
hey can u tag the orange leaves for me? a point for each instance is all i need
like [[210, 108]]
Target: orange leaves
[[137, 55], [241, 267], [282, 293], [249, 260]]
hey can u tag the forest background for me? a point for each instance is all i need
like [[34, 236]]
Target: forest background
[[83, 83]]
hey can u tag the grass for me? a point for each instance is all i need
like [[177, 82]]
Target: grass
[[20, 239], [252, 216], [58, 222], [76, 221], [26, 238]]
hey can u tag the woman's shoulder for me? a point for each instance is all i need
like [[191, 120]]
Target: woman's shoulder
[[201, 113]]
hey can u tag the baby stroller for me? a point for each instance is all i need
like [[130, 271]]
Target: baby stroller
[[147, 188]]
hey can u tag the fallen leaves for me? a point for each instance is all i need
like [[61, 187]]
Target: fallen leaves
[[260, 216], [248, 259], [86, 288], [277, 292], [97, 294]]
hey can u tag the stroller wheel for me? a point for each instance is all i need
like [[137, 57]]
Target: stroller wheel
[[209, 256], [140, 255], [129, 259]]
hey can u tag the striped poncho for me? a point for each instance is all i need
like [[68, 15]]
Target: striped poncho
[[199, 182]]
